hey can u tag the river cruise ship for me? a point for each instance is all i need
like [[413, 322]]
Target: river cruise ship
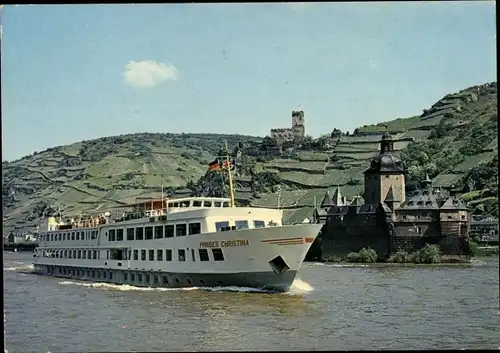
[[185, 242]]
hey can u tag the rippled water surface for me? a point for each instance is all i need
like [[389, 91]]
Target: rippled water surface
[[331, 307]]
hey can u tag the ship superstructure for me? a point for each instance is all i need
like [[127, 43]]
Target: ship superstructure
[[183, 242], [195, 241]]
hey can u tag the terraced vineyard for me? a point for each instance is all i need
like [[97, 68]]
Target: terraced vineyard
[[94, 175], [454, 141], [446, 122]]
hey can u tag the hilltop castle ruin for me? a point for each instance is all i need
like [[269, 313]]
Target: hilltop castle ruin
[[293, 134]]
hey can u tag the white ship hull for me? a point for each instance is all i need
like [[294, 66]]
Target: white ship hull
[[267, 258]]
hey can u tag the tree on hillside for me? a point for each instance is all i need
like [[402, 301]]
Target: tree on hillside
[[307, 142], [335, 133], [444, 127], [269, 141], [212, 184], [321, 143]]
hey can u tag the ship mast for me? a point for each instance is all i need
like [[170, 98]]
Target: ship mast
[[162, 200], [231, 191]]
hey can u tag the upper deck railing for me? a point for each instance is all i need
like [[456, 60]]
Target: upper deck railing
[[147, 209]]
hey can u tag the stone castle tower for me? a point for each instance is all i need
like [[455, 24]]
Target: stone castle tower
[[384, 180], [298, 124]]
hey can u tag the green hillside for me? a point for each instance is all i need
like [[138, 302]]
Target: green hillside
[[454, 141], [94, 175]]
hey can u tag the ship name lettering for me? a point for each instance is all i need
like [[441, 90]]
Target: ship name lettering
[[209, 244], [224, 243], [233, 243]]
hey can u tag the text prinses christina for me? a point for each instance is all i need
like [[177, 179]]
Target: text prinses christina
[[224, 243]]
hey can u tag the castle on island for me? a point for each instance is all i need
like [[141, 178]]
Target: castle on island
[[386, 219]]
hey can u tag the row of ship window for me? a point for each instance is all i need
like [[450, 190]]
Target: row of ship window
[[150, 232], [71, 254], [132, 277], [152, 254], [74, 235], [156, 232], [171, 230]]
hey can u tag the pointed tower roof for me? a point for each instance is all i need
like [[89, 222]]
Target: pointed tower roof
[[453, 204], [385, 161], [337, 197], [390, 195], [427, 182], [358, 201], [327, 200], [386, 136]]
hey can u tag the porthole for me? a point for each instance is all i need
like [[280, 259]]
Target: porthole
[[177, 280]]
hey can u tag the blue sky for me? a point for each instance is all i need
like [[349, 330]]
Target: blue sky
[[78, 72]]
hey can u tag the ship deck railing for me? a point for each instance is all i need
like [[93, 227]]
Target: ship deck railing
[[118, 216]]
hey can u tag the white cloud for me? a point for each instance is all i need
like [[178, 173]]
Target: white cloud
[[149, 73]]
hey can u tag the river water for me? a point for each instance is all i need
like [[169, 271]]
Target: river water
[[334, 307]]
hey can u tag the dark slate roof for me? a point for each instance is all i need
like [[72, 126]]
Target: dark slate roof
[[368, 209], [390, 195], [338, 210], [337, 197], [321, 211], [386, 136], [440, 195], [386, 208], [358, 201], [454, 203], [385, 162], [424, 199], [327, 200]]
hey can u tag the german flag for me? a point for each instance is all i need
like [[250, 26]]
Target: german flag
[[228, 164], [214, 165]]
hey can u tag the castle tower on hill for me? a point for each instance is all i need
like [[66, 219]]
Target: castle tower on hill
[[294, 133], [298, 124], [384, 180]]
